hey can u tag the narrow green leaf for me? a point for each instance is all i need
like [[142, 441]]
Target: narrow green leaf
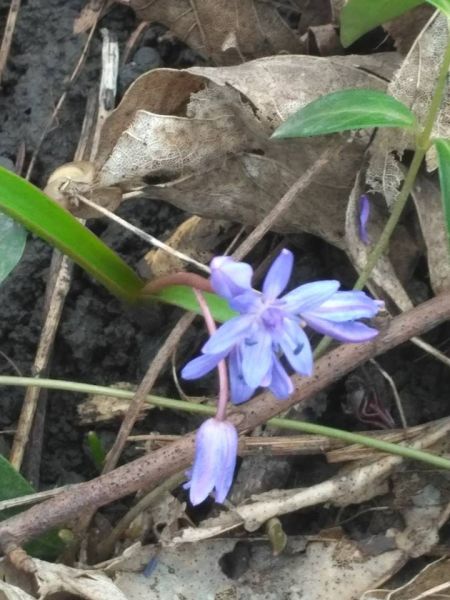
[[443, 5], [360, 16], [345, 110], [31, 207], [13, 485], [12, 243], [443, 153], [184, 297], [44, 217], [96, 449]]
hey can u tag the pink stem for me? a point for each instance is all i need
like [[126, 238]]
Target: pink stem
[[221, 367], [181, 278]]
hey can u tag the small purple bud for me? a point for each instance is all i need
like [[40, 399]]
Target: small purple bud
[[216, 447], [230, 278], [364, 213]]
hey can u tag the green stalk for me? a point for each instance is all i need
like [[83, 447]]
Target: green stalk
[[423, 143], [302, 426]]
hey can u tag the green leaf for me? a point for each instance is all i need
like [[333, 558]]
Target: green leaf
[[44, 217], [443, 5], [345, 110], [13, 485], [12, 243], [360, 16], [443, 153], [184, 297], [96, 449]]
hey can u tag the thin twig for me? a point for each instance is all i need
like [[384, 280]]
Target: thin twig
[[300, 445], [133, 40], [398, 401], [286, 202], [437, 354], [41, 361], [56, 293], [144, 388], [105, 548], [142, 234], [8, 35], [150, 470], [62, 99], [33, 498], [108, 83]]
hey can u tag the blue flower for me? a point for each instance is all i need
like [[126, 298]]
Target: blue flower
[[269, 326], [216, 447], [364, 213]]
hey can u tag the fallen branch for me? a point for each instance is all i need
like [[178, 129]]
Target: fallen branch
[[151, 469]]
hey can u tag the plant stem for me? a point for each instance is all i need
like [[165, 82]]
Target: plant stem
[[221, 367], [304, 427], [423, 143]]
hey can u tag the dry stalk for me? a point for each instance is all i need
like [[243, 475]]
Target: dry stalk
[[61, 268], [156, 366], [151, 469], [363, 481], [300, 445], [8, 35]]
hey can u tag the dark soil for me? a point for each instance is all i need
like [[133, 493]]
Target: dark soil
[[100, 339]]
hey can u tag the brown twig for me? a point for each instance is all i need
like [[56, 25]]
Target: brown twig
[[299, 445], [8, 35], [163, 355], [286, 201], [134, 39], [62, 99], [149, 470], [48, 333]]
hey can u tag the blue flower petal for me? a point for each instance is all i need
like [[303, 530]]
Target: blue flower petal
[[349, 331], [256, 357], [309, 296], [215, 460], [345, 306], [230, 278], [229, 447], [281, 385], [201, 365], [239, 391], [228, 335], [207, 461], [296, 347], [246, 302], [278, 275], [364, 213]]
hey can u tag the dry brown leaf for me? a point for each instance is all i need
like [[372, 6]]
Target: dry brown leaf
[[228, 32], [89, 15], [431, 583], [427, 199], [405, 29], [413, 84], [98, 408], [319, 570], [205, 131], [57, 580], [196, 237]]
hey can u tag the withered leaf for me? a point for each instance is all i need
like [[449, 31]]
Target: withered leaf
[[202, 137], [228, 32]]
